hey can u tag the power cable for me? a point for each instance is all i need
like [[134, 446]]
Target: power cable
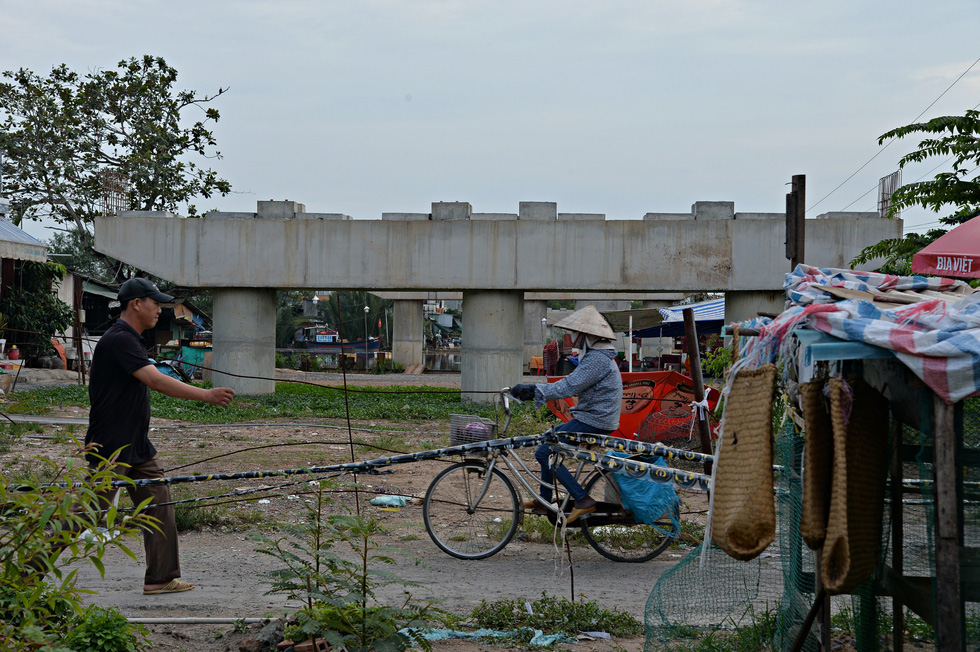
[[931, 104]]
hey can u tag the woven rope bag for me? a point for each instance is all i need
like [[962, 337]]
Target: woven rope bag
[[818, 457], [859, 417], [743, 521]]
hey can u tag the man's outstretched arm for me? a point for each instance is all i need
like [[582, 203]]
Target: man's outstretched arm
[[161, 382]]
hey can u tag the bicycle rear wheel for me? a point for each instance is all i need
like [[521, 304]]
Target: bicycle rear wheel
[[465, 520], [613, 531]]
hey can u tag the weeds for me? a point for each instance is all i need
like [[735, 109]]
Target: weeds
[[756, 633], [555, 615], [692, 534], [337, 593]]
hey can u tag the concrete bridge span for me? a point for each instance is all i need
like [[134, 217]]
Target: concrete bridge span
[[492, 259]]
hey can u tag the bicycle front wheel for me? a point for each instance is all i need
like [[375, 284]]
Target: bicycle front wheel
[[613, 531], [468, 513]]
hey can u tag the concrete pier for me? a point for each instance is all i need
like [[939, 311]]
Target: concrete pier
[[244, 339], [492, 343], [406, 332]]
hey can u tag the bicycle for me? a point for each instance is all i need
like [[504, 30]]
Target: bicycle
[[472, 509]]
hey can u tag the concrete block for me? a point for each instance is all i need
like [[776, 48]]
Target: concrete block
[[451, 210], [760, 216], [669, 216], [406, 217], [848, 216], [322, 216], [234, 216], [146, 214], [581, 216], [538, 210], [493, 216], [713, 210], [279, 209]]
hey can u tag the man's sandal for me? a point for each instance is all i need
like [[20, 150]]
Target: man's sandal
[[173, 586]]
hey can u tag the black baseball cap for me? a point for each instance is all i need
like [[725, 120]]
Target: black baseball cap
[[138, 288]]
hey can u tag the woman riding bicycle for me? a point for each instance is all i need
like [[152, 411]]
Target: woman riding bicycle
[[598, 386]]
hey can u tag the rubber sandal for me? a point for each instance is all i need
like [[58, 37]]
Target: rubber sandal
[[173, 586]]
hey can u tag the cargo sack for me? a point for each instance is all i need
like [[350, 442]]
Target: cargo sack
[[859, 418], [743, 521], [818, 460]]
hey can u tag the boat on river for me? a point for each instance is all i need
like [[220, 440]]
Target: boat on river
[[327, 340]]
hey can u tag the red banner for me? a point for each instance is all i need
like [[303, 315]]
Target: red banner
[[656, 405]]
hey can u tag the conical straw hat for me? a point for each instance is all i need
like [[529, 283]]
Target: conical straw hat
[[588, 321]]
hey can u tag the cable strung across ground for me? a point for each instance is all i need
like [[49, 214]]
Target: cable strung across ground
[[632, 468], [348, 467]]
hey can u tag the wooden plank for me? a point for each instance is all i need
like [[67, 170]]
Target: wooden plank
[[845, 293], [915, 592]]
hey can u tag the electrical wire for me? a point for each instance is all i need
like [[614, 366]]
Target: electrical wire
[[885, 146]]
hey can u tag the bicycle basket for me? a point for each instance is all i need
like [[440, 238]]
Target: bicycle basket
[[467, 429]]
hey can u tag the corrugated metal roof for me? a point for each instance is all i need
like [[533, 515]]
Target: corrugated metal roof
[[11, 233], [17, 244]]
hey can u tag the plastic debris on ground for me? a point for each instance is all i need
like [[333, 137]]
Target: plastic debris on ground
[[390, 501], [540, 639]]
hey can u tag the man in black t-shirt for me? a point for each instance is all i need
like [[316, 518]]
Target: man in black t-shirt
[[119, 421]]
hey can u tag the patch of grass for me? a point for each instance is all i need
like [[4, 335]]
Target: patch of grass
[[290, 400], [756, 633], [381, 443], [198, 515], [555, 615], [9, 431], [692, 534], [538, 529]]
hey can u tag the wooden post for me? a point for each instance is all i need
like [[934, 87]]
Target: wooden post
[[691, 333], [77, 342], [950, 633], [897, 516], [795, 224]]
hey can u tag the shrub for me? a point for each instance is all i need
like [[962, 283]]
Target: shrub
[[336, 592], [40, 524], [106, 630]]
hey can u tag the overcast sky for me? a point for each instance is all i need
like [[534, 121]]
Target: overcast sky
[[616, 107]]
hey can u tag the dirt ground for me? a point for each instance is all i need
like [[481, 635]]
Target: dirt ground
[[221, 559]]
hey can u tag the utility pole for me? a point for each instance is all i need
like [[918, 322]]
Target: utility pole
[[795, 223]]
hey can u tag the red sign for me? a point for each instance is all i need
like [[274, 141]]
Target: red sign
[[655, 403]]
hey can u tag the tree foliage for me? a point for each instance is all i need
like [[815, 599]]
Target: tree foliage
[[958, 190], [50, 525], [68, 139], [32, 311], [344, 312]]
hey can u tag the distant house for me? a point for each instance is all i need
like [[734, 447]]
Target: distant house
[[16, 246], [95, 304]]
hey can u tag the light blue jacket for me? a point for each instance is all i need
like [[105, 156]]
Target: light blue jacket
[[598, 385]]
